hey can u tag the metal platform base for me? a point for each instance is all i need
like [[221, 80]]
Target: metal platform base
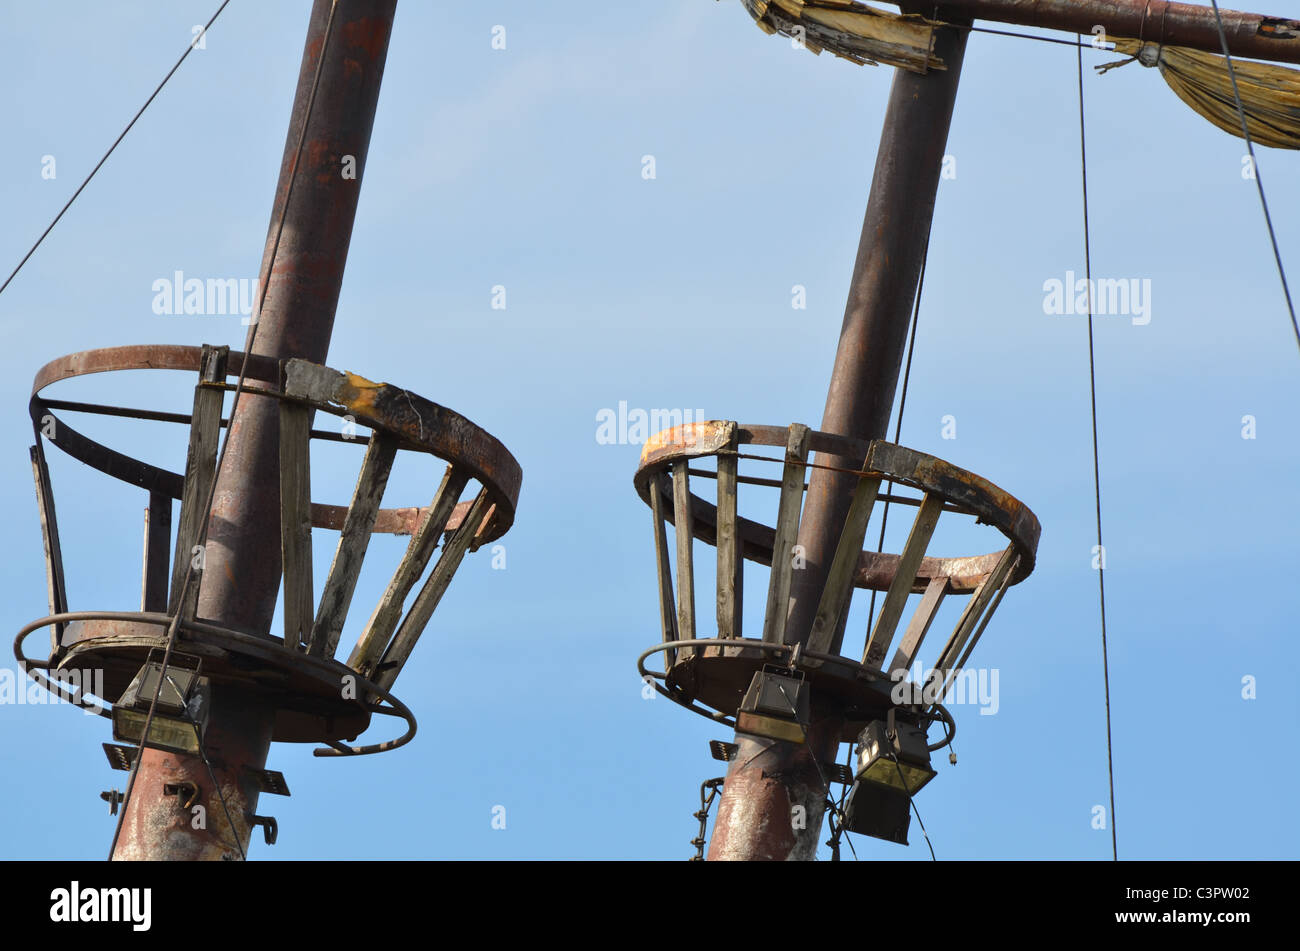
[[710, 676], [317, 700]]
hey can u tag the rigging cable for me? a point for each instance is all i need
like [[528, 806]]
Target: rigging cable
[[203, 754], [1096, 464], [912, 802], [902, 403], [1019, 36], [1245, 134], [115, 144], [837, 816], [1254, 167], [174, 626]]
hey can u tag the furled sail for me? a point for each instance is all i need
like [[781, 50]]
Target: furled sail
[[854, 31], [851, 30], [1270, 94]]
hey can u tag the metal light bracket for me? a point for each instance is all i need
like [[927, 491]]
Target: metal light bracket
[[268, 780], [270, 828], [776, 705], [120, 756]]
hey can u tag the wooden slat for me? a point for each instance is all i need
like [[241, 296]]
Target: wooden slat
[[55, 586], [909, 562], [685, 536], [374, 638], [157, 548], [905, 656], [839, 580], [200, 470], [975, 608], [295, 522], [354, 539], [667, 608], [985, 617], [787, 531], [426, 601], [731, 563]]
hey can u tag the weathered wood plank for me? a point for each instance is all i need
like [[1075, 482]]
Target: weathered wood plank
[[667, 607], [731, 564], [839, 580], [426, 601], [787, 531], [975, 608], [905, 656], [200, 470], [157, 549], [55, 586], [1003, 580], [382, 623], [909, 562], [354, 539], [855, 32], [685, 536], [295, 521]]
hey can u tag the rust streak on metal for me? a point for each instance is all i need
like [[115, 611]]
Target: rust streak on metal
[[764, 814], [157, 825], [449, 435], [1189, 25], [302, 270], [978, 496], [867, 364]]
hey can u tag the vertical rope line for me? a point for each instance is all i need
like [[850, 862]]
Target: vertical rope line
[[239, 389], [1254, 167], [902, 404], [1096, 463]]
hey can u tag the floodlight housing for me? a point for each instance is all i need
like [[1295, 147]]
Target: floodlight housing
[[894, 754], [180, 716], [878, 811], [776, 706]]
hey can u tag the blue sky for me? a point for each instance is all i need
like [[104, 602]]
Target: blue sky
[[523, 167]]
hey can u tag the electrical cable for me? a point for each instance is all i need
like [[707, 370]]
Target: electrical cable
[[912, 802], [826, 786], [198, 735]]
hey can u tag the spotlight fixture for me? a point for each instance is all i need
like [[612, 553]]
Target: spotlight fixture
[[181, 715], [893, 763], [775, 706], [877, 811], [894, 754]]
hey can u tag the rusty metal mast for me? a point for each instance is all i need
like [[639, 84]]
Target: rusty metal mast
[[867, 364], [301, 275], [770, 778], [231, 685]]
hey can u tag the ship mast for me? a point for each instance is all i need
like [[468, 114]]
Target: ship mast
[[199, 683], [301, 275], [770, 778]]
